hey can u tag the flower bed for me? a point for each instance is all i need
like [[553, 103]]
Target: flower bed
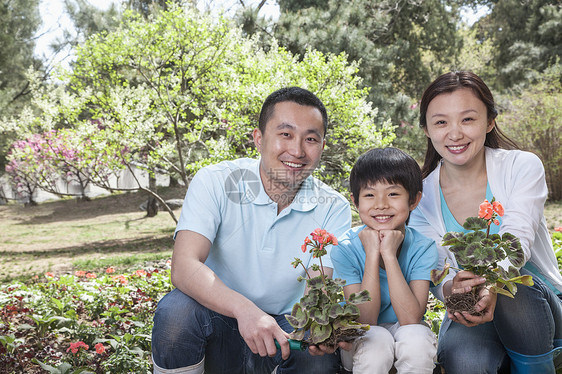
[[81, 323]]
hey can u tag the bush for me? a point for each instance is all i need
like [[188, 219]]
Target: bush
[[533, 119]]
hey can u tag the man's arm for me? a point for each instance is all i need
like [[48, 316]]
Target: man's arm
[[191, 276]]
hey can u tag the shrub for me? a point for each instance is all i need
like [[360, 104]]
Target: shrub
[[533, 119]]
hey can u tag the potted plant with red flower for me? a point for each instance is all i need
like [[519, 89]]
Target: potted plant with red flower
[[323, 315], [479, 252]]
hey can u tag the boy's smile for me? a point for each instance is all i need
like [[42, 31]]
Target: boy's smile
[[385, 206]]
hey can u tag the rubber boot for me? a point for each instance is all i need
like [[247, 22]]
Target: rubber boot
[[558, 353], [532, 364], [198, 368]]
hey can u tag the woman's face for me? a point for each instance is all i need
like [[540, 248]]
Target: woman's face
[[457, 124]]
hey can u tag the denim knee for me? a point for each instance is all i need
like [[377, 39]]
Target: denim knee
[[529, 323], [178, 335], [474, 349]]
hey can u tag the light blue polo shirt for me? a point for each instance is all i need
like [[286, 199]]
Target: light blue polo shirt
[[417, 258], [252, 246]]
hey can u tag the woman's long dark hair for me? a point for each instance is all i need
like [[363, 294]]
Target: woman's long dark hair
[[451, 82]]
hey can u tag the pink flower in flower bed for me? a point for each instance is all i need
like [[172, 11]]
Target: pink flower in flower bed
[[100, 349], [75, 347]]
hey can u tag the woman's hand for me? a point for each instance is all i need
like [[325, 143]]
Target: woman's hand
[[486, 303], [463, 282]]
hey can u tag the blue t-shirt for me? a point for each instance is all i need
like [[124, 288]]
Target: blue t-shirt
[[253, 246], [416, 259]]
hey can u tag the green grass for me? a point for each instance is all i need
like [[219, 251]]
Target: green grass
[[120, 261], [67, 235]]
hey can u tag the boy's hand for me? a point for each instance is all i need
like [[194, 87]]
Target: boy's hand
[[321, 349], [390, 241], [371, 241]]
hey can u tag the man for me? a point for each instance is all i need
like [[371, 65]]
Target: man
[[241, 225]]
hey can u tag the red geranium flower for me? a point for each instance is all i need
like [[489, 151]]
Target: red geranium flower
[[75, 347], [486, 210], [498, 208], [100, 349]]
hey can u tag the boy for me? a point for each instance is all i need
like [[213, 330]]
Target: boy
[[391, 261]]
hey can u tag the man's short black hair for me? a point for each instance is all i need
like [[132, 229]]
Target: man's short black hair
[[297, 95], [390, 165]]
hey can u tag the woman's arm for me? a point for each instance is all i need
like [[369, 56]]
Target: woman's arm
[[518, 183]]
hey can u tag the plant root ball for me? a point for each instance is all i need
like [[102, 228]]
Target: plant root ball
[[463, 302]]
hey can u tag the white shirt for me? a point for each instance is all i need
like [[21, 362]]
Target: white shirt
[[517, 181]]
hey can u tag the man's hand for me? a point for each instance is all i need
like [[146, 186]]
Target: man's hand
[[259, 329]]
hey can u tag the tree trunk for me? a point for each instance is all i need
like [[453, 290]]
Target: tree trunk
[[152, 204]]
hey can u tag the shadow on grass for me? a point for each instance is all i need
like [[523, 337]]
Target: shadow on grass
[[150, 244], [76, 209]]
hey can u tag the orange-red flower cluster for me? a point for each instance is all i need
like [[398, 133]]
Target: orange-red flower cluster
[[121, 278], [100, 349], [75, 347], [490, 211], [110, 270], [559, 229], [320, 240], [82, 273]]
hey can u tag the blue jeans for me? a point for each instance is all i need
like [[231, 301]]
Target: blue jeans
[[527, 324], [185, 332]]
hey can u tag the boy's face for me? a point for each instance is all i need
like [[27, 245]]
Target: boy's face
[[385, 206]]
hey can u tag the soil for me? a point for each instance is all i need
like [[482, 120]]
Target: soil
[[463, 302], [347, 335]]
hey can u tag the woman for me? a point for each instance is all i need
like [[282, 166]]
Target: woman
[[468, 160]]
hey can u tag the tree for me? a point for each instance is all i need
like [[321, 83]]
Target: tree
[[387, 38], [184, 90], [532, 116], [20, 22], [527, 37]]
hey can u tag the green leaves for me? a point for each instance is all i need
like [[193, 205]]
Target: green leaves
[[475, 223], [437, 275], [359, 298], [479, 252]]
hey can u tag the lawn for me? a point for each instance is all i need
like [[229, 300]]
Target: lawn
[[67, 235]]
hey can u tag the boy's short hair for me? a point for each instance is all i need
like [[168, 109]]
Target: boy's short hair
[[297, 95], [390, 165]]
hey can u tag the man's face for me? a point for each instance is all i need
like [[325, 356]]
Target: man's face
[[290, 147]]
